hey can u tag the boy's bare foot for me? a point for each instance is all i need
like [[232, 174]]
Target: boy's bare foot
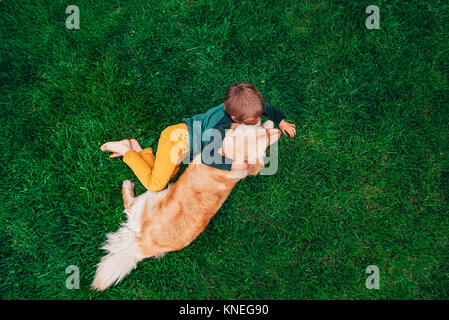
[[135, 145], [118, 148]]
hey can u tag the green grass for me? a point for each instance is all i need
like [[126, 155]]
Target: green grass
[[364, 182]]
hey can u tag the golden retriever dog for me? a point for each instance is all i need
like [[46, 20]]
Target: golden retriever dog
[[170, 219]]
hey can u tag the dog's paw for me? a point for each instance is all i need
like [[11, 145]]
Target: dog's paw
[[128, 184]]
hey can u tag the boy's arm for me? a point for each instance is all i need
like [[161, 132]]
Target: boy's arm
[[273, 114], [279, 118]]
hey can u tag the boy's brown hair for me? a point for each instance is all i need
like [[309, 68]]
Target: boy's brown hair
[[244, 101]]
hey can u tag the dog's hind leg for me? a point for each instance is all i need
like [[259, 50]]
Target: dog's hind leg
[[128, 194]]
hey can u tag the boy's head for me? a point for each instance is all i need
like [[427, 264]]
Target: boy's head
[[244, 103]]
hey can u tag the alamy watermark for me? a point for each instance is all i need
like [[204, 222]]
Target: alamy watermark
[[73, 279], [373, 20], [373, 281], [72, 21], [251, 146]]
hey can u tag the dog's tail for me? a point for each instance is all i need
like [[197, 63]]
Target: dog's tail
[[123, 256]]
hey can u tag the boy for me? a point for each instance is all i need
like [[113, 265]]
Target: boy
[[243, 104]]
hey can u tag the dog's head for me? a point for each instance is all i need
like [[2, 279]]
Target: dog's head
[[249, 142]]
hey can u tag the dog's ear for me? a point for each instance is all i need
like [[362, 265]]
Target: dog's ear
[[274, 134], [253, 169]]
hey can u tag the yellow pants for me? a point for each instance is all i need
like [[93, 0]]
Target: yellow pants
[[154, 172]]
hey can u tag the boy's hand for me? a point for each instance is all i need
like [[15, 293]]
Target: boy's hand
[[288, 127]]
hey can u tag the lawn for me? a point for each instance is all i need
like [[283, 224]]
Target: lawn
[[364, 182]]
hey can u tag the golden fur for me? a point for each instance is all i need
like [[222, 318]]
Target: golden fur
[[169, 220]]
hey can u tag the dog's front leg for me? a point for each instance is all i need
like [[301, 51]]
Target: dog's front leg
[[128, 193]]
